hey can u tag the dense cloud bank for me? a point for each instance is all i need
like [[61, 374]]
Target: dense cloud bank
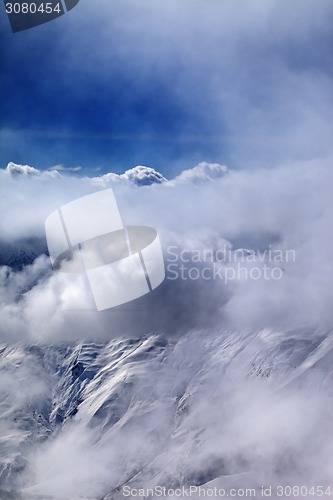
[[234, 387], [215, 226]]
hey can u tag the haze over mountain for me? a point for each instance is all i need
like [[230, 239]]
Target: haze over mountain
[[211, 122], [215, 382]]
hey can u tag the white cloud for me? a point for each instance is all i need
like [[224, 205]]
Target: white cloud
[[61, 168], [139, 176], [202, 173], [15, 169], [244, 385], [286, 209]]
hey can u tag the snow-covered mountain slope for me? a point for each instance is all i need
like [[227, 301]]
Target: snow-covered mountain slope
[[203, 382], [21, 253], [86, 420]]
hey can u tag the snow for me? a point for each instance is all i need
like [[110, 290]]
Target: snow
[[209, 408]]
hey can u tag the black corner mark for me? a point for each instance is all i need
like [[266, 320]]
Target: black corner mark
[[29, 14], [24, 15], [70, 4]]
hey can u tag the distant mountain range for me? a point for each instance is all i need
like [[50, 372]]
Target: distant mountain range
[[21, 252]]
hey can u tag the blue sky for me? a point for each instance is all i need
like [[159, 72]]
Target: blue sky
[[114, 84]]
